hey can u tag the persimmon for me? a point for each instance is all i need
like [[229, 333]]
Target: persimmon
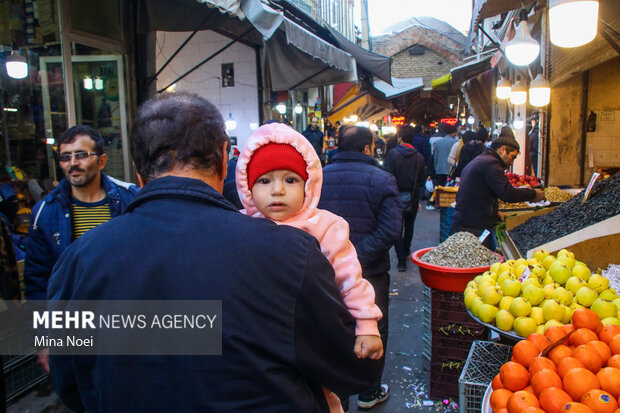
[[602, 349], [608, 332], [600, 401], [567, 328], [540, 363], [614, 344], [552, 400], [558, 353], [529, 389], [540, 341], [609, 378], [614, 361], [524, 352], [499, 399], [497, 383], [521, 400], [504, 410], [579, 381], [582, 336], [514, 376], [568, 363], [554, 333], [589, 357], [533, 409], [576, 407], [544, 379], [586, 318]]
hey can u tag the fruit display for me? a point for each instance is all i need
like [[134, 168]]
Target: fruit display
[[603, 202], [555, 194], [529, 296], [461, 250], [579, 371], [512, 205], [523, 180]]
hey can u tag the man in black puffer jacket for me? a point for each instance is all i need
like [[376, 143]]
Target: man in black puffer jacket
[[355, 188]]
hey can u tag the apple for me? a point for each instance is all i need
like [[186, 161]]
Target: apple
[[549, 259], [504, 320], [604, 308], [568, 261], [531, 280], [492, 295], [553, 310], [574, 283], [537, 315], [519, 307], [540, 254], [582, 272], [533, 294], [504, 303], [548, 290], [598, 283], [487, 313], [559, 272], [469, 297], [610, 320], [553, 323], [511, 287], [568, 313], [586, 296], [476, 303], [608, 294], [524, 326], [562, 295]]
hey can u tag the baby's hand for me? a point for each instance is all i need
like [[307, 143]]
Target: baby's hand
[[368, 347]]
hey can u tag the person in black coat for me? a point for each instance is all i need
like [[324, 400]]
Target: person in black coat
[[285, 330], [408, 167], [355, 188], [472, 147]]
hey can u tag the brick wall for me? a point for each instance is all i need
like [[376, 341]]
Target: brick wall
[[428, 66]]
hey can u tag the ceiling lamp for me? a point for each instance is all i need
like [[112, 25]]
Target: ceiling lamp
[[374, 127], [353, 118], [502, 90], [231, 123], [540, 91], [281, 108], [298, 109], [470, 120], [16, 65], [518, 93], [522, 49], [363, 124], [518, 122], [98, 83], [88, 83], [572, 23]]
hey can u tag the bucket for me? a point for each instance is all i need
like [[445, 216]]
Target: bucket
[[446, 278]]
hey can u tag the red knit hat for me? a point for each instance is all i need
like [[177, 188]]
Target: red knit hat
[[275, 156]]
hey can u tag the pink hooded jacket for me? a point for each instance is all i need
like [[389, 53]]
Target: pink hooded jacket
[[329, 229]]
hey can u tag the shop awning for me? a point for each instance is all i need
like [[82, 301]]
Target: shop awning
[[399, 87], [440, 81], [363, 103], [469, 70], [311, 62]]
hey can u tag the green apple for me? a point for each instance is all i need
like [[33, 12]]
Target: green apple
[[537, 315], [531, 280], [504, 266], [485, 281], [476, 303], [576, 306], [553, 310], [472, 284], [540, 254], [562, 295], [604, 308], [487, 313], [490, 274], [553, 323], [617, 303], [506, 275], [518, 270], [568, 261], [477, 279], [519, 307], [610, 320], [598, 283], [504, 303], [568, 313], [540, 329], [469, 297], [533, 262], [565, 253], [608, 294], [504, 320], [582, 272], [524, 326], [574, 283], [559, 272], [586, 296], [540, 272], [495, 268], [548, 280], [511, 287], [549, 259], [533, 294], [492, 295], [548, 290]]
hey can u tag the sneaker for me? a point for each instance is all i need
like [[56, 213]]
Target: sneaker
[[429, 208], [380, 395], [402, 266]]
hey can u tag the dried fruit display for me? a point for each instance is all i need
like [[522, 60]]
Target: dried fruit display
[[555, 194], [461, 250]]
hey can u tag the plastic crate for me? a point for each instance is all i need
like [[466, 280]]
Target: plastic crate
[[23, 376], [445, 377], [483, 363], [445, 223], [444, 199]]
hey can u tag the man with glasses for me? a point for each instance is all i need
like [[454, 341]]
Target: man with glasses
[[85, 198], [482, 182]]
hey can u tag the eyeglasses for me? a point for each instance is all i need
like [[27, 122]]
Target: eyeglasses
[[66, 157]]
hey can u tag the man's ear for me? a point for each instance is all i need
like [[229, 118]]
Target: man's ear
[[224, 165], [366, 150], [140, 180], [103, 158]]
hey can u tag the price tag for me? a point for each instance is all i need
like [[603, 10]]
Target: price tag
[[525, 275], [595, 176], [484, 235]]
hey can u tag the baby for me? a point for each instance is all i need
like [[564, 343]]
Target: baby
[[279, 177]]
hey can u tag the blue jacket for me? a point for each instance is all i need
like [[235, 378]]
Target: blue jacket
[[285, 329], [422, 145], [315, 137], [366, 196], [50, 230]]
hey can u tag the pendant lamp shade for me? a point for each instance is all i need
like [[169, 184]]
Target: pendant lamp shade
[[502, 90], [518, 122], [572, 23], [518, 93], [231, 123], [16, 65], [522, 49], [540, 91]]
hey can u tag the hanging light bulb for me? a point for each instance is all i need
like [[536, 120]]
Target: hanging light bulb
[[363, 124], [522, 49], [518, 93], [98, 83], [572, 23], [470, 120], [281, 108], [502, 90], [540, 91], [88, 83], [230, 123], [353, 118], [16, 65], [374, 127], [298, 109], [518, 122]]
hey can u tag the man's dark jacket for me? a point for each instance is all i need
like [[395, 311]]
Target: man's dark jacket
[[422, 144], [285, 329], [407, 166], [50, 232], [355, 188], [315, 137], [482, 182]]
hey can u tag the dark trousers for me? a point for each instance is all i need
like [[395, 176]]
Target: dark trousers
[[403, 244]]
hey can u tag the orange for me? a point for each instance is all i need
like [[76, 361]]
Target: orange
[[540, 363], [499, 399], [575, 407], [614, 361], [554, 333], [504, 410], [579, 381], [589, 357], [544, 379], [521, 400], [600, 401], [558, 353], [602, 349], [533, 409], [568, 363], [608, 332], [609, 377], [552, 400], [529, 389], [497, 383], [540, 341], [567, 328], [586, 318], [614, 344], [514, 376], [524, 352], [582, 336]]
